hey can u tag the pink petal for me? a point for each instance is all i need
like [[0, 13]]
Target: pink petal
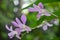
[[36, 7], [18, 36], [23, 19], [14, 23], [11, 28], [18, 30], [11, 34], [45, 27], [38, 16], [18, 21], [41, 5], [50, 25], [28, 29], [7, 28], [47, 14], [32, 9]]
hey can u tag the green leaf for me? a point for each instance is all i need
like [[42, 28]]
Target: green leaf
[[31, 19]]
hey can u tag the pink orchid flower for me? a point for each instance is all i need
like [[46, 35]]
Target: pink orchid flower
[[46, 25], [16, 32], [40, 9], [21, 24]]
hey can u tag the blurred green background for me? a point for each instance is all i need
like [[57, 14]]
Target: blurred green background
[[8, 13]]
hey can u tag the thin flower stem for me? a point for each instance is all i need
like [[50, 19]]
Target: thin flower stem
[[54, 15], [40, 25]]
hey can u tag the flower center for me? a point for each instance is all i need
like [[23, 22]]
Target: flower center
[[15, 32], [24, 26], [41, 10]]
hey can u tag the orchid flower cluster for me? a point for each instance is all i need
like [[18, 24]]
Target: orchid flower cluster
[[20, 25], [40, 9]]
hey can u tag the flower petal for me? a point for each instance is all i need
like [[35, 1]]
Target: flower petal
[[47, 14], [41, 5], [38, 16], [18, 30], [55, 21], [50, 25], [32, 9], [10, 29], [14, 23], [28, 29], [23, 19], [18, 36], [45, 27], [11, 34], [36, 7], [18, 21], [7, 27]]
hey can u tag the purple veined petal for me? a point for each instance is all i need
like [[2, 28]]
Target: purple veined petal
[[27, 29], [10, 29], [21, 26], [23, 19], [18, 21], [50, 25], [18, 30], [7, 27], [11, 35], [32, 9], [14, 23], [55, 21], [38, 16], [45, 27], [41, 5], [18, 36], [47, 14], [37, 8]]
